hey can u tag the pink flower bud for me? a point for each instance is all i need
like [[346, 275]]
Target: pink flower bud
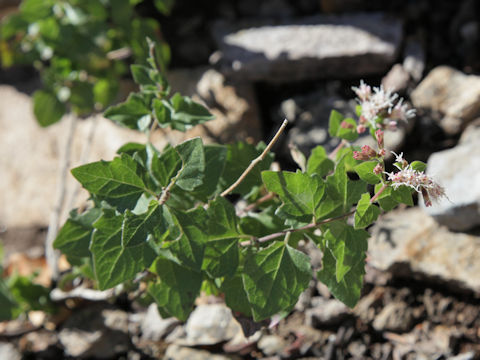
[[362, 120], [368, 151], [361, 129], [379, 134], [346, 125], [381, 152], [357, 155]]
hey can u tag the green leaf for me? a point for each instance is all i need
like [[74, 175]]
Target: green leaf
[[164, 6], [193, 164], [130, 112], [186, 243], [140, 75], [73, 239], [239, 157], [28, 295], [163, 113], [348, 133], [274, 278], [176, 289], [347, 245], [365, 171], [221, 252], [105, 91], [418, 165], [403, 194], [82, 97], [349, 288], [262, 223], [331, 203], [47, 108], [235, 295], [8, 306], [334, 122], [186, 113], [120, 245], [215, 158], [117, 181], [366, 213], [299, 192], [319, 163], [165, 166], [385, 199]]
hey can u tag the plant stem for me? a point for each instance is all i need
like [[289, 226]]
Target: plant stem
[[379, 192], [337, 149], [50, 254], [257, 160], [263, 199], [283, 232]]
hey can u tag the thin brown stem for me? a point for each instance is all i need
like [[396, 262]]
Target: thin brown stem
[[379, 192], [260, 201], [256, 160], [283, 232], [337, 149]]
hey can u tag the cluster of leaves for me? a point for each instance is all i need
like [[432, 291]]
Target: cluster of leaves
[[160, 217], [76, 45]]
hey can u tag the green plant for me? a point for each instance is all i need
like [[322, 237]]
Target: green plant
[[164, 217], [77, 45]]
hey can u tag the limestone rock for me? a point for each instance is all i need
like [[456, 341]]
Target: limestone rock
[[458, 170], [154, 327], [176, 352], [232, 102], [95, 332], [271, 344], [454, 95], [322, 46], [8, 351], [396, 79], [395, 316], [326, 312], [410, 242], [210, 324]]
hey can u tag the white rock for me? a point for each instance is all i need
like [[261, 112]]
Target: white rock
[[210, 324], [154, 327], [458, 170], [451, 93], [410, 242]]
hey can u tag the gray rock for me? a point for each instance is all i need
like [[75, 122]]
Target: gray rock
[[154, 327], [322, 46], [176, 352], [458, 170], [95, 332], [210, 324], [454, 95], [410, 243], [395, 316], [326, 312], [9, 351]]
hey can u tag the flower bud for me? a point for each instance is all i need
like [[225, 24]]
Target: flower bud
[[361, 129], [379, 135], [381, 152], [368, 151], [346, 125], [357, 155]]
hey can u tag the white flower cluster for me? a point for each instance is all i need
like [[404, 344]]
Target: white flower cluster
[[418, 180], [381, 103]]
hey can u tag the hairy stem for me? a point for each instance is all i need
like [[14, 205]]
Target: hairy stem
[[337, 149], [256, 160]]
